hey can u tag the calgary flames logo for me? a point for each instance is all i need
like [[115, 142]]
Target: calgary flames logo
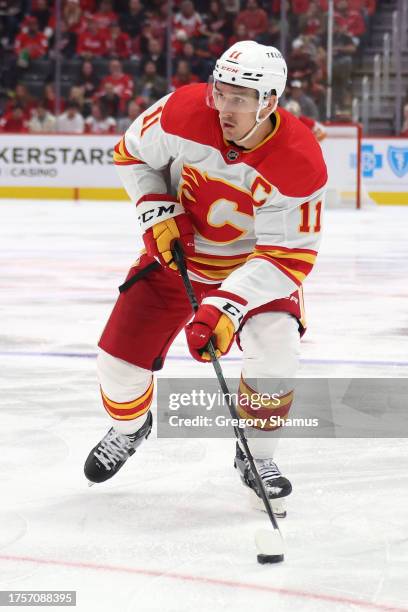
[[221, 212]]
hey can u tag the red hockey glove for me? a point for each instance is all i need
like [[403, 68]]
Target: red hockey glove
[[217, 323], [163, 220]]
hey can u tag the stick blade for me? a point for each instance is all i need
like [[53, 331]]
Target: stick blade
[[270, 546]]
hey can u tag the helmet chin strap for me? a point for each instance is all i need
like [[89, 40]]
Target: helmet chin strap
[[257, 124]]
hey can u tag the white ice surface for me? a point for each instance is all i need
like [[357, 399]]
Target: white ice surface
[[174, 530]]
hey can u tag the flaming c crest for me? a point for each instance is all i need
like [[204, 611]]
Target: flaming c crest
[[220, 211]]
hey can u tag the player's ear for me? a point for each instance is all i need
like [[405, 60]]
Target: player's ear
[[269, 108]]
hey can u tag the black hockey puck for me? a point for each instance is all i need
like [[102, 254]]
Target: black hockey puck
[[269, 559]]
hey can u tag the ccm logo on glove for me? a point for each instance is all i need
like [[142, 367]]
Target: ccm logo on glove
[[163, 221], [154, 213]]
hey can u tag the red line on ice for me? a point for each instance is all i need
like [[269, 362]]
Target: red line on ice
[[207, 580]]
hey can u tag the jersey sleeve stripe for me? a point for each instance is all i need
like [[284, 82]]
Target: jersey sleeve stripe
[[281, 249], [215, 267], [122, 157], [295, 263], [291, 264], [219, 261], [295, 275]]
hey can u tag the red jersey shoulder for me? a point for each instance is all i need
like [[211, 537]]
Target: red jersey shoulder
[[292, 159], [186, 114]]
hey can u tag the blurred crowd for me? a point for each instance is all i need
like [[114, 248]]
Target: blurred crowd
[[115, 61]]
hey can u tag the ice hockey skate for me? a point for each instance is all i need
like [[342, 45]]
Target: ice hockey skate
[[277, 486], [112, 452]]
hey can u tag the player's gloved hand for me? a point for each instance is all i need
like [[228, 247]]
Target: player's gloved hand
[[215, 322], [319, 131], [163, 220]]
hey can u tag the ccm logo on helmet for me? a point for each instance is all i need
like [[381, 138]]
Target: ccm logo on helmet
[[229, 68], [148, 215]]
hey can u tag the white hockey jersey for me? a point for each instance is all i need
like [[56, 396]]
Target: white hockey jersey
[[256, 213]]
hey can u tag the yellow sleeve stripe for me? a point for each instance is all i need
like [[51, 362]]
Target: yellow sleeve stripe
[[308, 257], [221, 262], [121, 155]]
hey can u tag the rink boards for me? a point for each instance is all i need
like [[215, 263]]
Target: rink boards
[[73, 167]]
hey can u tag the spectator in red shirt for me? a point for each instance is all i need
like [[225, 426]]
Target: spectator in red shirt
[[183, 75], [254, 17], [50, 100], [189, 21], [122, 83], [92, 42], [72, 15], [105, 16], [118, 44], [312, 22], [22, 99], [14, 121], [352, 20], [30, 45]]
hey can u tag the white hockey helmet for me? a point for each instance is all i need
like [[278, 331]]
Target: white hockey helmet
[[250, 64]]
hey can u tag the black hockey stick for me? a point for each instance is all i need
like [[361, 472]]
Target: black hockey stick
[[178, 256], [141, 274]]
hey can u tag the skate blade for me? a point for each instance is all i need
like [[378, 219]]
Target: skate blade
[[90, 484], [278, 504]]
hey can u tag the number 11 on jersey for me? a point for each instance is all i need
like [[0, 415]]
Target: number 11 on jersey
[[305, 217]]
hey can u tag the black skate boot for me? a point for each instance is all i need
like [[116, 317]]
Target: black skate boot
[[277, 486], [108, 456]]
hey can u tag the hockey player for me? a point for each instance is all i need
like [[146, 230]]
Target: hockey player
[[244, 199]]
